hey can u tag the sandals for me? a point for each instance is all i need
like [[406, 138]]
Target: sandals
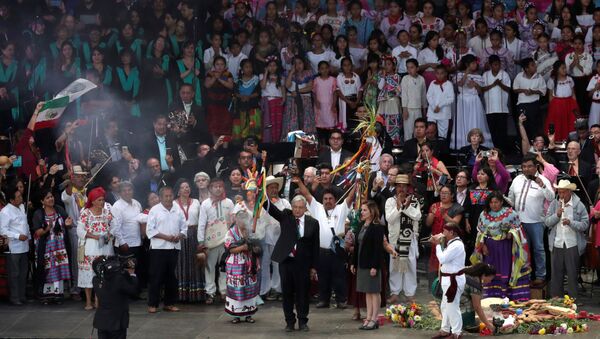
[[248, 319], [356, 316], [88, 307]]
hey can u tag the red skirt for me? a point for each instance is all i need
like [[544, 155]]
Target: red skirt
[[561, 113], [218, 119]]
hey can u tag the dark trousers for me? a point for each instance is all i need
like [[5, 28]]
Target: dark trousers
[[564, 260], [120, 334], [295, 284], [535, 120], [17, 276], [498, 128], [162, 271], [331, 275], [137, 254]]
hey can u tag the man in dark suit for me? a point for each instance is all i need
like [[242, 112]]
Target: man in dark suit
[[576, 167], [297, 252], [197, 130], [334, 154], [411, 147], [151, 180], [113, 288], [159, 144]]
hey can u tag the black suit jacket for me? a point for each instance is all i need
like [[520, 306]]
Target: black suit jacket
[[325, 155], [372, 251], [113, 302], [198, 133], [307, 249], [585, 171], [148, 148]]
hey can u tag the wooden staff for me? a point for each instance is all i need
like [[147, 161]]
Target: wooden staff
[[98, 171]]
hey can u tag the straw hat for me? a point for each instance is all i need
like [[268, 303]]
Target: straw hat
[[402, 179], [79, 170], [566, 185], [275, 180]]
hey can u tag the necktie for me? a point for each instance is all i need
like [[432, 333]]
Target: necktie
[[572, 170], [293, 254]]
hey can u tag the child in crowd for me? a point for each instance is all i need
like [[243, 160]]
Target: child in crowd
[[562, 107], [324, 96], [299, 112], [414, 97], [496, 89], [530, 87], [544, 57], [440, 98], [234, 59], [430, 56], [470, 113], [403, 52], [219, 88], [247, 115], [273, 97], [593, 90], [388, 103], [579, 65], [349, 94]]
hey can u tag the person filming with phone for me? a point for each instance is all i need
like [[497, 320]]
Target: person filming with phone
[[527, 194]]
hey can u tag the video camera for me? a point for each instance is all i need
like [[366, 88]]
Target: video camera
[[106, 267]]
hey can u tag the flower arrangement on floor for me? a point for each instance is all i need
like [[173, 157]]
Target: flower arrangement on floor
[[406, 316]]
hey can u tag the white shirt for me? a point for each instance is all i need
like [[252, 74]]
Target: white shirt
[[209, 214], [428, 56], [271, 89], [536, 82], [585, 60], [452, 258], [440, 96], [401, 62], [564, 89], [193, 211], [13, 223], [209, 56], [125, 224], [335, 218], [348, 86], [478, 45], [314, 59], [528, 198], [565, 236], [335, 158], [392, 215], [496, 99], [592, 84], [70, 202], [414, 93], [233, 64], [167, 222]]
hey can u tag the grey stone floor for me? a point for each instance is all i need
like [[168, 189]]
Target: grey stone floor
[[200, 321]]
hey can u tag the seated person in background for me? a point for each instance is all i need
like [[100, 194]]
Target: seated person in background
[[334, 154]]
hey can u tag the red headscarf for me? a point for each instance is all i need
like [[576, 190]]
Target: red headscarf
[[94, 195]]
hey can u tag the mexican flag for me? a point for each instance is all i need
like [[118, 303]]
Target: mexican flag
[[50, 114]]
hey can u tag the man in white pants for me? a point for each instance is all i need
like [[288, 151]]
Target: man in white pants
[[269, 279], [452, 261], [403, 212], [213, 224]]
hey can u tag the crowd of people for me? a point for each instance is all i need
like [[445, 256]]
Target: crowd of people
[[162, 161]]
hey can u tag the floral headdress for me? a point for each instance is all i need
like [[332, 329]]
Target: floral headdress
[[529, 5], [388, 58], [271, 58]]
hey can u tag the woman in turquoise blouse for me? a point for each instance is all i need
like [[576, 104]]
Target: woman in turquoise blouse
[[190, 67]]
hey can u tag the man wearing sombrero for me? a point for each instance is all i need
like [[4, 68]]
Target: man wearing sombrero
[[568, 222]]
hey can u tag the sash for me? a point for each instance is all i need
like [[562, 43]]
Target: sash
[[131, 84]]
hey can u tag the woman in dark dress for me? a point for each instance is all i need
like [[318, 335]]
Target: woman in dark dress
[[157, 85], [127, 85], [368, 261]]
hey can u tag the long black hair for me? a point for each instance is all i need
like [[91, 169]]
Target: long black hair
[[439, 51], [479, 269], [346, 51]]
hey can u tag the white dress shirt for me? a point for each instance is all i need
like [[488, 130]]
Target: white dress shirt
[[528, 198], [461, 196], [335, 219], [125, 224], [586, 61], [414, 92], [13, 223], [452, 258], [496, 99], [335, 158], [565, 235], [167, 222], [536, 82]]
